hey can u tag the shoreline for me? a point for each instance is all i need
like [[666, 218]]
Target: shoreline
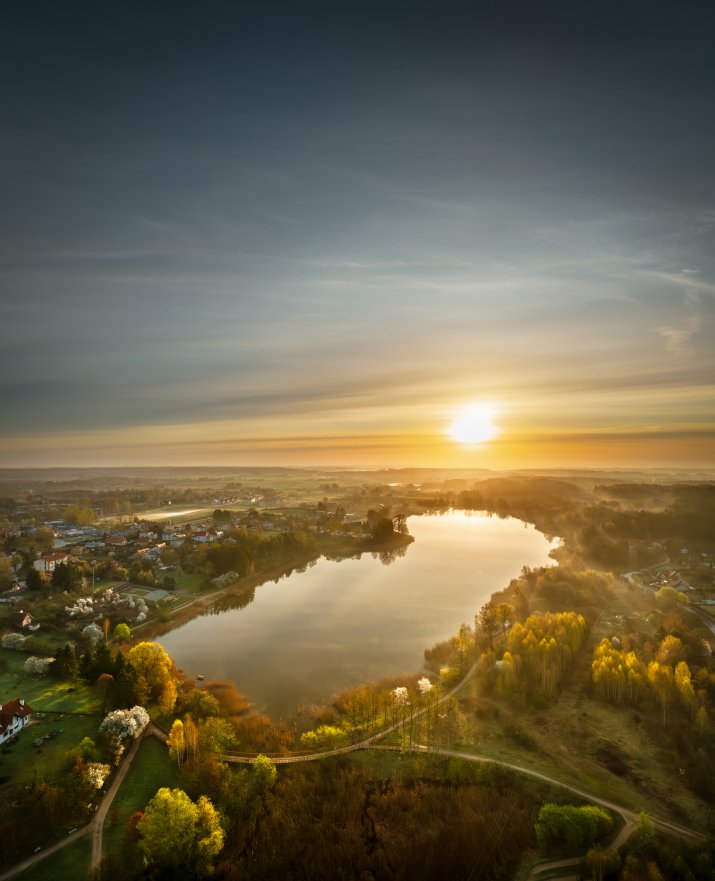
[[195, 607]]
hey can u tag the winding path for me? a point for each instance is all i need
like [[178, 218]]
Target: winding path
[[95, 827]]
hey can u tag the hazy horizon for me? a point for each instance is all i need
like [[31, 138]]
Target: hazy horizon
[[269, 235]]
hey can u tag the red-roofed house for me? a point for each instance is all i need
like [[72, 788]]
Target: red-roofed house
[[14, 715], [20, 620], [115, 541]]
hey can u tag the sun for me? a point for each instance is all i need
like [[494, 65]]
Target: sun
[[473, 424]]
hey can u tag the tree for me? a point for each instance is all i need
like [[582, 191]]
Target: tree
[[105, 683], [660, 677], [191, 736], [167, 698], [216, 735], [264, 774], [487, 622], [177, 742], [176, 832], [399, 522], [152, 664], [684, 685], [65, 576], [92, 633], [7, 573], [37, 666], [324, 737], [65, 666], [201, 703], [33, 579], [670, 651], [122, 631], [125, 723], [572, 827], [14, 641]]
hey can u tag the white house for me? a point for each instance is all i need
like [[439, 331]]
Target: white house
[[47, 562], [14, 716]]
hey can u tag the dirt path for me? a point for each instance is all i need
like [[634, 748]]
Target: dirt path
[[45, 852], [95, 827]]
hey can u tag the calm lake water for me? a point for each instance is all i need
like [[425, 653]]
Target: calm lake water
[[337, 624]]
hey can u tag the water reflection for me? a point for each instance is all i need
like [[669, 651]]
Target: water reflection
[[304, 637]]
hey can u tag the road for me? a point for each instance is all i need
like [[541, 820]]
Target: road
[[692, 607]]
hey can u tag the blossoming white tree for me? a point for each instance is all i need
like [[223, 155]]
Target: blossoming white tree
[[424, 685], [37, 666], [424, 689], [92, 633], [83, 607], [96, 773], [13, 641], [125, 723], [401, 698]]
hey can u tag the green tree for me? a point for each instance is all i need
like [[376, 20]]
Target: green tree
[[264, 774], [571, 827], [201, 704], [122, 631], [174, 831], [66, 576], [216, 735], [33, 579]]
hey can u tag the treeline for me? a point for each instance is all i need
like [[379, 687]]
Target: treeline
[[539, 653], [624, 676], [243, 552], [592, 528]]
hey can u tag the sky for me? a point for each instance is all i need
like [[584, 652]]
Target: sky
[[307, 234]]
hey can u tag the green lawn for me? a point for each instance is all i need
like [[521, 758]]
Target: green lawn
[[43, 692], [24, 762], [69, 862], [151, 770], [186, 581]]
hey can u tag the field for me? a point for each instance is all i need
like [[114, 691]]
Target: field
[[69, 862], [151, 770], [43, 693], [24, 763]]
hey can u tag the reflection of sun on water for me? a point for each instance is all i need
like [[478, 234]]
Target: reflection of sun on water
[[473, 424]]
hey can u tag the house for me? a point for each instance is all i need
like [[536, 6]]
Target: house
[[20, 620], [47, 563], [115, 541], [14, 716]]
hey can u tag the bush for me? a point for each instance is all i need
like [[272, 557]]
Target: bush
[[574, 828]]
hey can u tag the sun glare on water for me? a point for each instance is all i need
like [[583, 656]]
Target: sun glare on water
[[473, 424]]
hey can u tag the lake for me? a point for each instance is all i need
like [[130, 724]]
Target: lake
[[338, 624]]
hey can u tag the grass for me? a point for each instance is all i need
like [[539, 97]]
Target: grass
[[72, 861], [24, 763], [152, 769], [187, 581], [43, 693]]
